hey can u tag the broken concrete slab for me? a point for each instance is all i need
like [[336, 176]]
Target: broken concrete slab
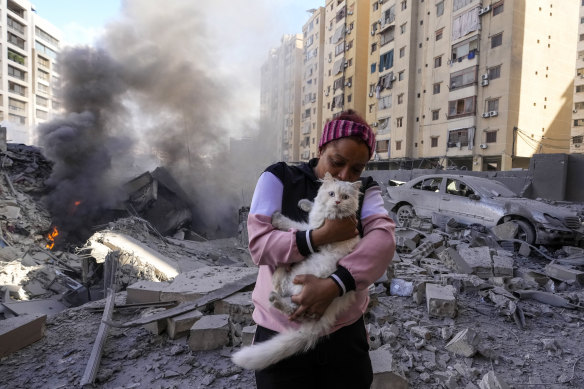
[[464, 343], [505, 231], [47, 307], [564, 273], [197, 283], [238, 306], [180, 325], [155, 327], [248, 334], [209, 333], [478, 260], [145, 291], [440, 301], [385, 374], [503, 266], [21, 331], [165, 267], [491, 381]]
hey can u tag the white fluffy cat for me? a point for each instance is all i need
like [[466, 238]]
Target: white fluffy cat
[[334, 200]]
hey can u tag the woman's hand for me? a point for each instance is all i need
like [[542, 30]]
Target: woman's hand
[[335, 230], [315, 297]]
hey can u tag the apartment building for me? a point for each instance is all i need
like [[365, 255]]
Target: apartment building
[[483, 86], [28, 75], [312, 84], [577, 136], [280, 102], [346, 61]]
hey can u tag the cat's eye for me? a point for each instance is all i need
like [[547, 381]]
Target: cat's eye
[[332, 194], [345, 197]]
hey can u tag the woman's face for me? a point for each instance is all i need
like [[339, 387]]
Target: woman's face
[[344, 158]]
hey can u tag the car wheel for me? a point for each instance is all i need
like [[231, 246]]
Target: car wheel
[[404, 214], [525, 231]]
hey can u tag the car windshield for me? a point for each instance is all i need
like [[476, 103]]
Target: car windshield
[[494, 189]]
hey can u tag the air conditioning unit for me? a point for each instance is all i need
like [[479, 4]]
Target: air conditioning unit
[[350, 13], [493, 113], [370, 94], [326, 93], [485, 82], [574, 111], [372, 33], [484, 10], [483, 145], [347, 83], [486, 114], [393, 79], [330, 60], [346, 64], [485, 76], [375, 124]]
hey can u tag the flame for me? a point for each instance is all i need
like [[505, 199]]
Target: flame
[[77, 203], [51, 237]]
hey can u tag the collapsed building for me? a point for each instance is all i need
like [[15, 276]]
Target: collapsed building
[[144, 301]]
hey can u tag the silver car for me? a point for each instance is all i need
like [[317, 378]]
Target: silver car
[[470, 200]]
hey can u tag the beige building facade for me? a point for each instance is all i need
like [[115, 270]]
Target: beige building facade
[[29, 79], [577, 135], [476, 85]]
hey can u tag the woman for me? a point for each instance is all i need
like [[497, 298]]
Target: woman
[[341, 359]]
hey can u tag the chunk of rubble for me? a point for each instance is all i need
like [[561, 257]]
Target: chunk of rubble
[[385, 373], [145, 291], [491, 381], [464, 343], [21, 331], [209, 333], [440, 301], [505, 231], [564, 273], [178, 326], [476, 260]]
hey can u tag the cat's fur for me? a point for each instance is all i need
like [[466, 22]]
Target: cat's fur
[[334, 200]]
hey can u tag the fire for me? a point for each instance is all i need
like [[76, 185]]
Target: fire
[[51, 237], [77, 203]]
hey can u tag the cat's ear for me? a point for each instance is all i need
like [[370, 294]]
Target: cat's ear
[[356, 185], [328, 176]]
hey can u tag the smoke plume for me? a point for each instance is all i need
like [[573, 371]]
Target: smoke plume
[[163, 87]]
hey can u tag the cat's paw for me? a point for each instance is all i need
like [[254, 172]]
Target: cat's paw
[[279, 220], [282, 304]]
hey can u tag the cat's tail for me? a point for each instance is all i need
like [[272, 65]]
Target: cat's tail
[[285, 344]]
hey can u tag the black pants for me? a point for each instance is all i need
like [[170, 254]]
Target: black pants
[[338, 361]]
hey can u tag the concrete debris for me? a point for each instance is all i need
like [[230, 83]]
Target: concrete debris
[[447, 284], [21, 331]]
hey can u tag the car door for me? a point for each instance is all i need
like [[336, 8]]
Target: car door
[[426, 196], [455, 202]]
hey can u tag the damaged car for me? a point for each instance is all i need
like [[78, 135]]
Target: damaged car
[[477, 200]]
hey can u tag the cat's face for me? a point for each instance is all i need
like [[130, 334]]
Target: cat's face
[[339, 198]]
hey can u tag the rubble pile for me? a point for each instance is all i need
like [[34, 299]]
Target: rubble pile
[[460, 307]]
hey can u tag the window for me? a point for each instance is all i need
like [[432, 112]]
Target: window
[[491, 136], [457, 138], [494, 72], [429, 184], [401, 75], [436, 88], [386, 61], [16, 88], [16, 105], [458, 4], [42, 88], [398, 145], [577, 139], [463, 78], [349, 98], [402, 52], [580, 72], [43, 75], [492, 105], [465, 49], [387, 36], [579, 123], [458, 188], [384, 102], [434, 141], [435, 114], [581, 20], [375, 6], [579, 88], [373, 48], [404, 5], [497, 8], [402, 28], [340, 48], [41, 114], [399, 123], [400, 98], [581, 37], [496, 40], [14, 56], [43, 62], [461, 107], [382, 146], [440, 8], [438, 61], [16, 73], [439, 34], [373, 67], [579, 105]]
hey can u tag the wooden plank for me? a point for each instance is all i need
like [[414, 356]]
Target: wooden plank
[[218, 294], [95, 357]]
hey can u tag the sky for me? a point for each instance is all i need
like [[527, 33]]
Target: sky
[[82, 21]]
